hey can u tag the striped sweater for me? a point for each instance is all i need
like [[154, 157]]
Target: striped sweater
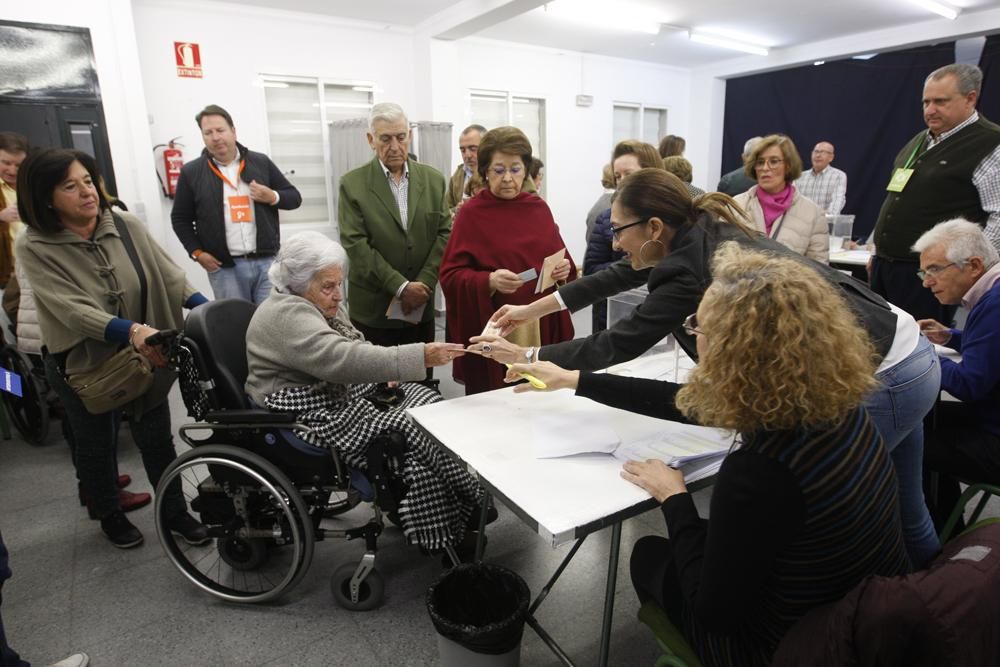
[[797, 520]]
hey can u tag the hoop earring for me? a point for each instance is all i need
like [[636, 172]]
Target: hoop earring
[[642, 260]]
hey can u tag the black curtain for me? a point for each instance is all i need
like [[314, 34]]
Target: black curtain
[[868, 109], [989, 62]]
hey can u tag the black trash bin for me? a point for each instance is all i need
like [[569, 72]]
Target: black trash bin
[[478, 611]]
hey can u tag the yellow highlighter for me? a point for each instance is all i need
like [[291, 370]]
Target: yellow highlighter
[[532, 380]]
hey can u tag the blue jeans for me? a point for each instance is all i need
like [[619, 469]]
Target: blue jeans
[[909, 391], [247, 280]]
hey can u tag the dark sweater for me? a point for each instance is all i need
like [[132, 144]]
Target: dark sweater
[[976, 380], [940, 188], [798, 518], [676, 285]]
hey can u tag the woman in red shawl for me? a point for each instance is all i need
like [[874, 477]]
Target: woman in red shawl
[[498, 234]]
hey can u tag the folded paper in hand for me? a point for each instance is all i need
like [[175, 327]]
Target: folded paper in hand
[[395, 312], [545, 280]]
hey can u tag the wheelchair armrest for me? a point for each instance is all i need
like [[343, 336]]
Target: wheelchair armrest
[[249, 417]]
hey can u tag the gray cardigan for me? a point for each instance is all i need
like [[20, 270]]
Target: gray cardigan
[[290, 344]]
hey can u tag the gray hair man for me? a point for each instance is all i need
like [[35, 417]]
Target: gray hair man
[[951, 169], [959, 264], [736, 181], [468, 146], [394, 224]]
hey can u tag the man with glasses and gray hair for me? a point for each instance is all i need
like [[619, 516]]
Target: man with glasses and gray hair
[[824, 184], [950, 169], [394, 225], [959, 265]]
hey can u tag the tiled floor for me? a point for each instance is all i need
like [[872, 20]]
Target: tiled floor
[[72, 591]]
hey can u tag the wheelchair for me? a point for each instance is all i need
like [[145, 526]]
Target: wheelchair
[[261, 491], [29, 412]]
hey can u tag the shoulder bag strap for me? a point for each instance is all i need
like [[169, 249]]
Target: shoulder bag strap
[[134, 256]]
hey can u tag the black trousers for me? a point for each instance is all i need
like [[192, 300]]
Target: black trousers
[[957, 449], [654, 576], [897, 282], [417, 333]]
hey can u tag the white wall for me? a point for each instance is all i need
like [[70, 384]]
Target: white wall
[[110, 24], [430, 78]]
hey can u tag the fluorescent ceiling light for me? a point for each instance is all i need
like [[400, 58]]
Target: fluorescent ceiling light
[[603, 14], [941, 8], [727, 43]]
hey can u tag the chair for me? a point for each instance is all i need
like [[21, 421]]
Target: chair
[[987, 490], [261, 491], [676, 651]]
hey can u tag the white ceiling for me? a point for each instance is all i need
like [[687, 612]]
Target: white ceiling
[[775, 23]]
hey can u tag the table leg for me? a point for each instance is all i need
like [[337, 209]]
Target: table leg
[[609, 593], [481, 538]]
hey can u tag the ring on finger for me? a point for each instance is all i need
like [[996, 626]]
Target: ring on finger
[[487, 348]]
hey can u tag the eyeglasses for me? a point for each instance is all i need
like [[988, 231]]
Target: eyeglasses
[[514, 171], [616, 232], [772, 163], [932, 271], [691, 325]]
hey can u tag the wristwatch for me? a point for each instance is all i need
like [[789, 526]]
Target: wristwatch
[[529, 353]]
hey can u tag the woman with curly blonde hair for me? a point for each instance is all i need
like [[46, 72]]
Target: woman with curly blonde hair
[[805, 506]]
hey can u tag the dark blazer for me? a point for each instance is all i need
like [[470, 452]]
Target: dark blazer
[[198, 216], [382, 254], [735, 182], [676, 286]]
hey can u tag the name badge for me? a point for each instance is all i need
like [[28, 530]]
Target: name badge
[[239, 208], [899, 179]]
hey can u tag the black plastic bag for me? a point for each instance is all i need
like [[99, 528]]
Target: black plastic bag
[[482, 607]]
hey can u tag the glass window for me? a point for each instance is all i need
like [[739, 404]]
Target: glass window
[[626, 123], [298, 113], [654, 125]]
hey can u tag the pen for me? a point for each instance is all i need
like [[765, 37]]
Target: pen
[[532, 380]]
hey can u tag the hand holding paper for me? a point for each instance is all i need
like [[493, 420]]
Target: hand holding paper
[[549, 264]]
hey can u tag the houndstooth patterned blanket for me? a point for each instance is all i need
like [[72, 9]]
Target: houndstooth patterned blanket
[[441, 495]]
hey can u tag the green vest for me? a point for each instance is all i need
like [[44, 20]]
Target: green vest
[[940, 188]]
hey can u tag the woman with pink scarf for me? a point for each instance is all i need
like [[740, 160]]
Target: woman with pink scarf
[[775, 207]]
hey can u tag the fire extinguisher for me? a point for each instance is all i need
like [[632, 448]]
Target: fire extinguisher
[[169, 160]]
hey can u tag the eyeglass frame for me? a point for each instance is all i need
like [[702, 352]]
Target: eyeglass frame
[[513, 171], [690, 325], [616, 232], [770, 163], [933, 271]]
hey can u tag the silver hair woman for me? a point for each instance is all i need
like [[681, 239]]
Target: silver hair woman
[[305, 357]]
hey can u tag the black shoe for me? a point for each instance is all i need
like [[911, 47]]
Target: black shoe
[[188, 527], [120, 530]]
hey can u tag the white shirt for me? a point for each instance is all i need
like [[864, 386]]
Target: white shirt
[[241, 237]]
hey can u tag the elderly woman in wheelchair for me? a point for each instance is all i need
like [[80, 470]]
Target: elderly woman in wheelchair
[[315, 437]]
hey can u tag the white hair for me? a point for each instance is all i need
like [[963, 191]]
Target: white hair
[[961, 240], [750, 143], [387, 112], [301, 257]]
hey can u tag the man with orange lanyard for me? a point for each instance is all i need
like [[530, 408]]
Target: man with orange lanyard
[[226, 210]]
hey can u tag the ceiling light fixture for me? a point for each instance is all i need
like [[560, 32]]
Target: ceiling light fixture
[[727, 43], [617, 16], [942, 8]]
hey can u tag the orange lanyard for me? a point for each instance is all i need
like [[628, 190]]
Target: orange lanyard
[[211, 164]]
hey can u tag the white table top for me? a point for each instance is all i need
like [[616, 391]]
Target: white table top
[[562, 498], [857, 257]]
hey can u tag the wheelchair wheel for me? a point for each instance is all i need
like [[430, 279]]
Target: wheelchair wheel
[[263, 533], [370, 593], [30, 410]]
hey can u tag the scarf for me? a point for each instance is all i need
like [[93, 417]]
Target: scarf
[[774, 206]]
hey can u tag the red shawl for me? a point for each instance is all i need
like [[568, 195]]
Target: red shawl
[[488, 234]]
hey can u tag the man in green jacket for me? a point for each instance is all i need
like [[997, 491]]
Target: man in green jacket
[[394, 225]]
